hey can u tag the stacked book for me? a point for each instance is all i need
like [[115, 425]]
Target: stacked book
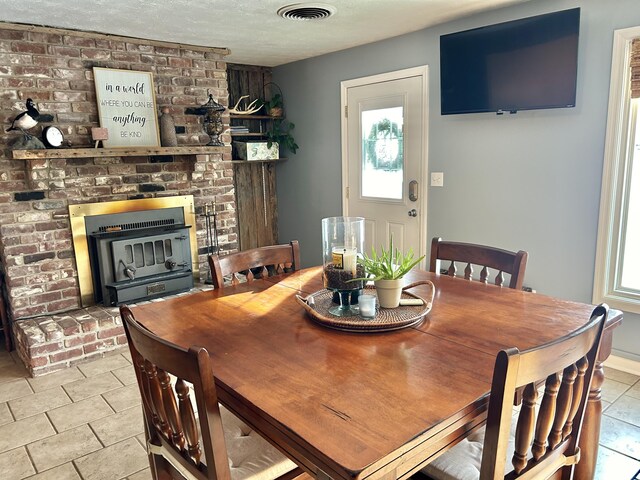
[[239, 129]]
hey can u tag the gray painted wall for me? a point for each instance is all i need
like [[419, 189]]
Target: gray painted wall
[[529, 181]]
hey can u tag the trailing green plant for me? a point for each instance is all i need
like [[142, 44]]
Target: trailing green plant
[[390, 264], [280, 132]]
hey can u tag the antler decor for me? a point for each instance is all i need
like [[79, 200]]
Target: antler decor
[[251, 108]]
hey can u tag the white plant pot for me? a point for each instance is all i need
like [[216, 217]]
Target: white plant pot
[[389, 292]]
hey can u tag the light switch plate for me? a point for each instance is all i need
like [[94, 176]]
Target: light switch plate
[[437, 179]]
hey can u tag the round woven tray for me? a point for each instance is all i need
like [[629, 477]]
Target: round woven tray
[[386, 319]]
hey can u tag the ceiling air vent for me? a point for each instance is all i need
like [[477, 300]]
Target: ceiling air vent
[[307, 11]]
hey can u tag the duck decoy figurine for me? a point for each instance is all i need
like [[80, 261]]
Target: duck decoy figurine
[[26, 120]]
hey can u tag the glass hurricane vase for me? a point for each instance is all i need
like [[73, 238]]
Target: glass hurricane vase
[[342, 243]]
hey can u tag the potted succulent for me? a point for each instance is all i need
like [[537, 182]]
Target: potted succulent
[[387, 270]]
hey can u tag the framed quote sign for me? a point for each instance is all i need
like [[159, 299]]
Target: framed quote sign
[[127, 107]]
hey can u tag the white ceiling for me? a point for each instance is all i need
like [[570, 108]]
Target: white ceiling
[[251, 29]]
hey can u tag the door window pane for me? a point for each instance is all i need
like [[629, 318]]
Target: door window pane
[[382, 172]]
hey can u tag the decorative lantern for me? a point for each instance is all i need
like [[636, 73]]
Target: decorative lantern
[[213, 122], [342, 243], [212, 113]]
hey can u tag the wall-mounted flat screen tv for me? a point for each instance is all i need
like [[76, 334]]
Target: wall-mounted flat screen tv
[[524, 64]]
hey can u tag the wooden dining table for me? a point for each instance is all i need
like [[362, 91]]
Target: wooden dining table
[[360, 405]]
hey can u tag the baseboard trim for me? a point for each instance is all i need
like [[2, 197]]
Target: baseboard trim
[[623, 364]]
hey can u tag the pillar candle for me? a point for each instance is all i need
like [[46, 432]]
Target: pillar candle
[[345, 258]]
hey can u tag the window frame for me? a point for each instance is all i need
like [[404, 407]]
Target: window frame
[[615, 178]]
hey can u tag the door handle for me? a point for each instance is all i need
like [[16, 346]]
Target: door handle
[[413, 212], [413, 190]]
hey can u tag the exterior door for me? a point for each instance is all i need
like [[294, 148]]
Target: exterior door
[[384, 145]]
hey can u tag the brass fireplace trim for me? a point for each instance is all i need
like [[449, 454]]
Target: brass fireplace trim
[[79, 233]]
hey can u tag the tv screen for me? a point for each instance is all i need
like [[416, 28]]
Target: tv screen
[[519, 65]]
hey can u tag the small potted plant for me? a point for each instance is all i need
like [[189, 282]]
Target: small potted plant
[[387, 270], [280, 133], [274, 107]]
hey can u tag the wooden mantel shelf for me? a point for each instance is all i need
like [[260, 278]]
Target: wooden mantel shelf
[[114, 152]]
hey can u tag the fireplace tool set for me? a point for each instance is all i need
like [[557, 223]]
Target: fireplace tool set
[[211, 227]]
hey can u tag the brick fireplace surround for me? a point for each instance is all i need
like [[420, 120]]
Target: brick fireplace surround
[[54, 67]]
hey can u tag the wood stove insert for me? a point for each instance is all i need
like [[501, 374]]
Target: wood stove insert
[[133, 250], [139, 255]]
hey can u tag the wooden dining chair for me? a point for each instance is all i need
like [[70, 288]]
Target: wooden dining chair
[[504, 261], [537, 442], [210, 444], [255, 263]]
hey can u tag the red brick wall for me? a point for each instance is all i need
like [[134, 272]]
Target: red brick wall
[[54, 68]]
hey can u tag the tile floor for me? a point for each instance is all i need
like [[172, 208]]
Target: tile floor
[[86, 423]]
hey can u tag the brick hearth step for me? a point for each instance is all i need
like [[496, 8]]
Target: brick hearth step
[[50, 343], [53, 342]]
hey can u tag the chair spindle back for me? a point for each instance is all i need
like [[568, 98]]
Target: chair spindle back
[[503, 261], [163, 370], [255, 263], [545, 441]]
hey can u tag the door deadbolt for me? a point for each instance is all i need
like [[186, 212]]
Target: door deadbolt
[[413, 212], [413, 190]]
